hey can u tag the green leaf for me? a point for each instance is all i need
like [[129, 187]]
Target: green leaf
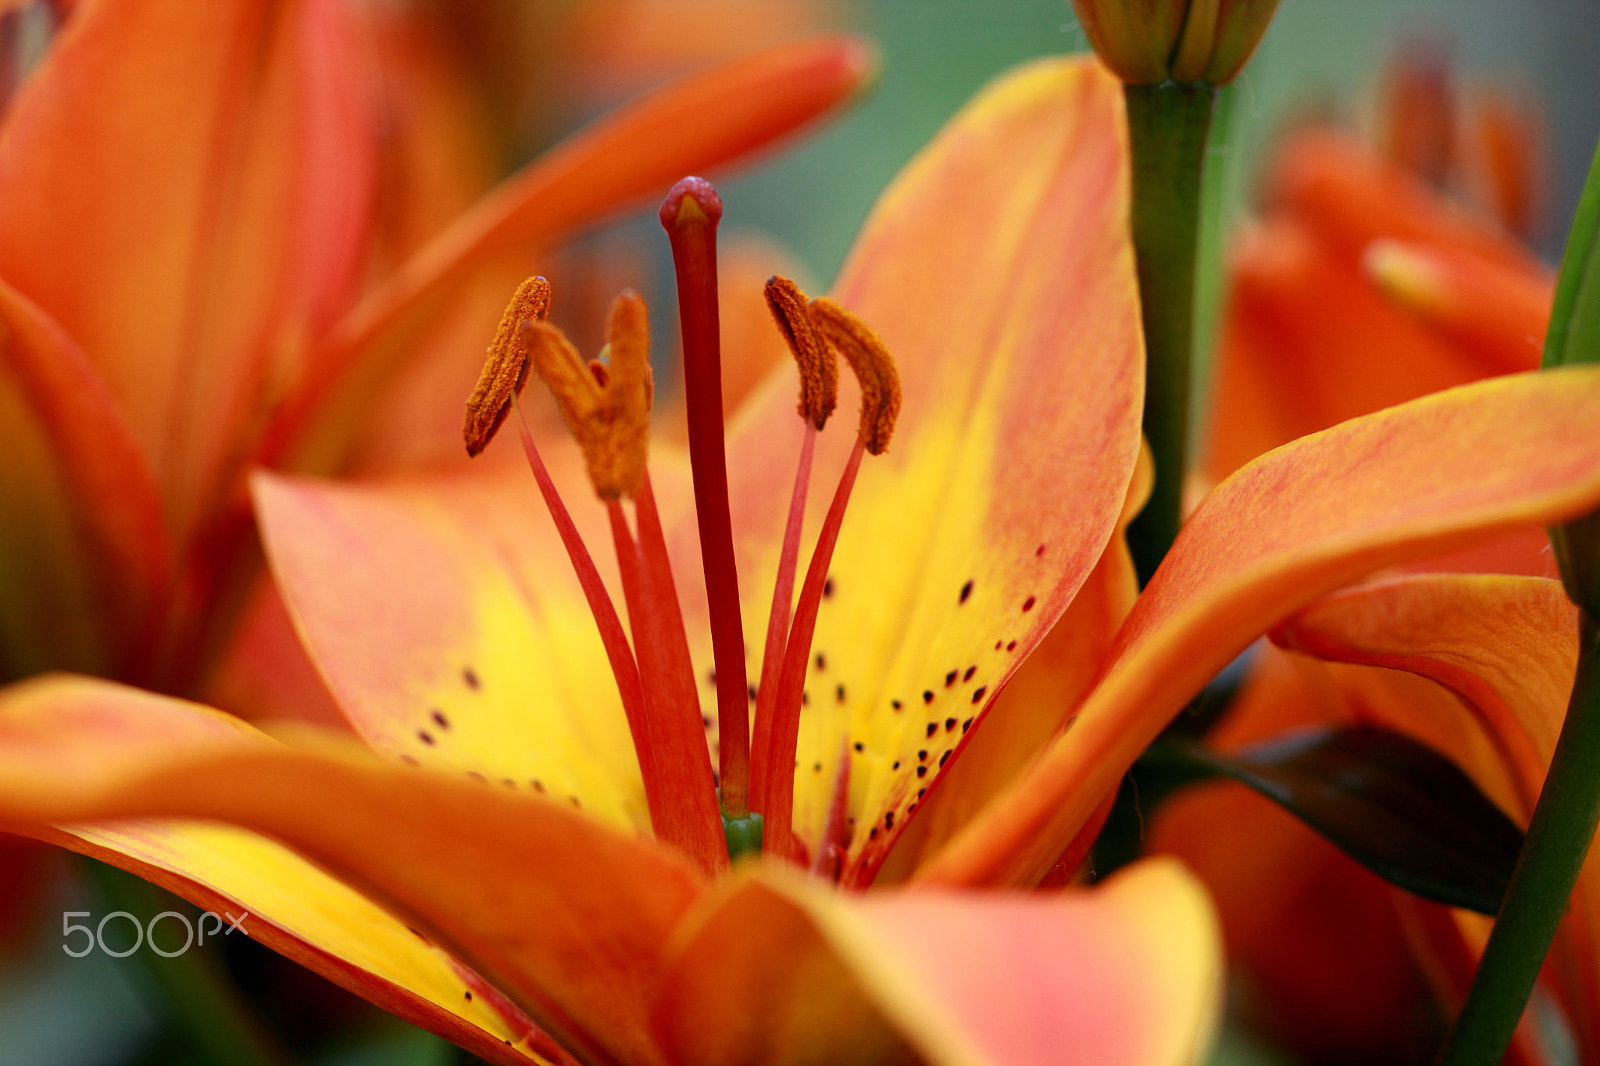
[[1396, 806], [1574, 333], [1573, 337]]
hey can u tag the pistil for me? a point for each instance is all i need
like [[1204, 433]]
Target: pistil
[[690, 215]]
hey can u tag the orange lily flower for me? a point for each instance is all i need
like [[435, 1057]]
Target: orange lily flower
[[435, 610], [620, 947], [221, 225], [1478, 667]]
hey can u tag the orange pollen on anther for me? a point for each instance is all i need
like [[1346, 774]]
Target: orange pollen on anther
[[819, 369], [788, 649], [505, 372], [873, 367], [607, 410]]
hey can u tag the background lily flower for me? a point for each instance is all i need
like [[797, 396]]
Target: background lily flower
[[1363, 283], [539, 873], [222, 230], [1370, 277], [1479, 668]]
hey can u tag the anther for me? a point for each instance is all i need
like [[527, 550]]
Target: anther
[[608, 410], [505, 372], [873, 367], [819, 369]]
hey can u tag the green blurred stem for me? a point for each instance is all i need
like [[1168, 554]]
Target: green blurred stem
[[1167, 129], [201, 1005], [1558, 839]]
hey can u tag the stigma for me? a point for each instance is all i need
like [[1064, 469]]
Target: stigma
[[745, 804]]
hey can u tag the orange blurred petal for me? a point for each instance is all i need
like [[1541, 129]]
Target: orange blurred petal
[[265, 671], [1319, 961], [1125, 973], [1419, 113], [1290, 527], [1350, 197], [700, 123], [568, 919], [439, 155], [1506, 153], [91, 471], [618, 45], [146, 171], [1494, 314], [751, 981], [1308, 342]]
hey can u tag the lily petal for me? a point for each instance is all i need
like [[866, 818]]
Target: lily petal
[[73, 457], [80, 729], [1507, 646], [1352, 197], [1309, 341], [1294, 525], [1494, 314], [439, 154], [1125, 973], [1036, 701], [998, 271], [153, 230], [567, 919], [490, 665]]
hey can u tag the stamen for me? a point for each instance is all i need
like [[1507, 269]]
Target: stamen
[[673, 727], [608, 414], [618, 654], [779, 616], [819, 388], [819, 370], [835, 841], [780, 731], [873, 366], [775, 788], [690, 215], [606, 405], [506, 370]]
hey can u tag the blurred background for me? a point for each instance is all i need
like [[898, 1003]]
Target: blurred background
[[538, 69]]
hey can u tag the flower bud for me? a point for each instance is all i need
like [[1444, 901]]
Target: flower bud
[[1146, 42]]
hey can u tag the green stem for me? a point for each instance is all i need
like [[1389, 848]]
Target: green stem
[[1558, 839], [1167, 129], [202, 1008]]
